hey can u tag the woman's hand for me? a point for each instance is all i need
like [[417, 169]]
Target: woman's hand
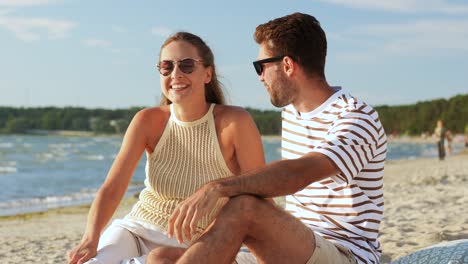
[[185, 218], [83, 252]]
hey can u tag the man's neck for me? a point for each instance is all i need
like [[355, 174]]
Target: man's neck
[[312, 94]]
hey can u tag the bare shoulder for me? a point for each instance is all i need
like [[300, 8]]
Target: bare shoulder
[[229, 113], [152, 118], [234, 120], [152, 114]]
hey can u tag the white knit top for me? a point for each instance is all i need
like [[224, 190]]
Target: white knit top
[[186, 157]]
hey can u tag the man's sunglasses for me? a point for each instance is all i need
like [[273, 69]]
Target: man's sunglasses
[[258, 65], [187, 66]]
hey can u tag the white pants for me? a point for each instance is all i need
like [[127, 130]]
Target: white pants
[[128, 241]]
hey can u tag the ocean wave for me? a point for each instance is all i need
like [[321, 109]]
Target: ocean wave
[[8, 163], [429, 152], [40, 204], [54, 155], [6, 145], [271, 139], [7, 169], [93, 157], [60, 145]]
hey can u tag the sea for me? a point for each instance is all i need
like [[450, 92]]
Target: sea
[[38, 173]]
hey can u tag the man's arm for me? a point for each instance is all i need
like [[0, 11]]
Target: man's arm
[[278, 178]]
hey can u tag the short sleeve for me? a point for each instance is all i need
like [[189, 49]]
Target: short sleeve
[[351, 142]]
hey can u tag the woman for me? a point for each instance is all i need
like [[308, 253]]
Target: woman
[[191, 139]]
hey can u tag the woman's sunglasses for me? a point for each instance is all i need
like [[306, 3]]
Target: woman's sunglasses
[[258, 65], [187, 66]]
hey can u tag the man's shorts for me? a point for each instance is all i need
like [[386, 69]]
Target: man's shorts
[[328, 252]]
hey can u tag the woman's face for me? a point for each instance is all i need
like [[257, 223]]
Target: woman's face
[[186, 79]]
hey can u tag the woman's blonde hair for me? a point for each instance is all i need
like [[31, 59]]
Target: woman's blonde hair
[[213, 89]]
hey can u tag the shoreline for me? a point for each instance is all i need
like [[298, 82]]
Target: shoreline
[[457, 138], [424, 204], [132, 197]]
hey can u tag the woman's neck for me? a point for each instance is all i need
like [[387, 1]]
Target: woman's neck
[[190, 112]]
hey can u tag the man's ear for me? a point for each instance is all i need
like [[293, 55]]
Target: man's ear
[[289, 66]]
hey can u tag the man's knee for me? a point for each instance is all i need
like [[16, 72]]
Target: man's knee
[[155, 256], [245, 207], [164, 255]]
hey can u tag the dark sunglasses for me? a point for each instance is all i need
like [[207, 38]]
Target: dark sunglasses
[[258, 65], [187, 66]]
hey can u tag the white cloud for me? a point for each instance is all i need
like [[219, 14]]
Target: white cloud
[[30, 29], [99, 43], [161, 31], [405, 6], [26, 2], [422, 35], [417, 38]]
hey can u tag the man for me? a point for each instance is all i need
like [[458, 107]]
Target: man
[[333, 149], [439, 133]]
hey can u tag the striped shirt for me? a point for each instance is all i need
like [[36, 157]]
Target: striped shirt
[[346, 208]]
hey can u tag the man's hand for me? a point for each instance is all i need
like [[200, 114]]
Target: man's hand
[[188, 213]]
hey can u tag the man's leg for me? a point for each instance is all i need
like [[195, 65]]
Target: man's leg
[[271, 233], [441, 147], [164, 255]]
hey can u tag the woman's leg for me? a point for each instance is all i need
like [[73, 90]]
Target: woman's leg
[[115, 245]]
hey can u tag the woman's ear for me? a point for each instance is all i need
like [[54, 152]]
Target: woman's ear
[[209, 74]]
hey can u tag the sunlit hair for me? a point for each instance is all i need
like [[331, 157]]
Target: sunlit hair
[[213, 89], [298, 36]]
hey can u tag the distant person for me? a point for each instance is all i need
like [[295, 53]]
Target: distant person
[[333, 148], [449, 139], [439, 134], [466, 136], [191, 139]]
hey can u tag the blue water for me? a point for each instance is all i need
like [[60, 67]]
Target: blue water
[[41, 172]]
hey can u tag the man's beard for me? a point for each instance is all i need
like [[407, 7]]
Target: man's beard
[[282, 91]]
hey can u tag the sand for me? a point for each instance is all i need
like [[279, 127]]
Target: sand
[[425, 203]]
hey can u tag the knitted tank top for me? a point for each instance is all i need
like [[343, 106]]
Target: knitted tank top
[[186, 157]]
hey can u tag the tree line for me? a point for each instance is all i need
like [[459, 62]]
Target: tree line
[[411, 119], [415, 119], [101, 121]]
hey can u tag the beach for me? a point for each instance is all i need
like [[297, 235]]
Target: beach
[[425, 203]]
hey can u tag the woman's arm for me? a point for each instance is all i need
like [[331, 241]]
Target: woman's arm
[[247, 143], [113, 189]]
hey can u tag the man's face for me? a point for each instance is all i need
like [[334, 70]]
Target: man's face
[[282, 91]]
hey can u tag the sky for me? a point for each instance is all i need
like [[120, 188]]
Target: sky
[[102, 53]]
